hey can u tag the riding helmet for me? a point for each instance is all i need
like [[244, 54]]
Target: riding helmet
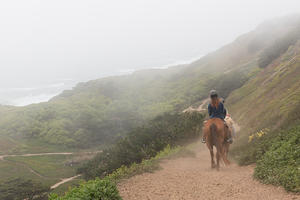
[[213, 93]]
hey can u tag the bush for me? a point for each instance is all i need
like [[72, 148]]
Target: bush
[[251, 148], [280, 165], [92, 190], [149, 165], [277, 155], [144, 142]]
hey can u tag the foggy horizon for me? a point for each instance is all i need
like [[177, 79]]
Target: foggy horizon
[[61, 43]]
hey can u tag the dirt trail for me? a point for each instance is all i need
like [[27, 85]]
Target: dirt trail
[[2, 157], [63, 181], [192, 179], [200, 108]]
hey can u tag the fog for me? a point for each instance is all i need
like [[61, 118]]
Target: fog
[[48, 46]]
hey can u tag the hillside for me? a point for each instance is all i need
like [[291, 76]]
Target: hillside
[[135, 118], [273, 96], [98, 111], [267, 108]]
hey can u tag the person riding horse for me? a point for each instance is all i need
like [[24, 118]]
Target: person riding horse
[[216, 109]]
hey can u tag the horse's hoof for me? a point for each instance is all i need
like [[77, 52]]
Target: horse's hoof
[[227, 163]]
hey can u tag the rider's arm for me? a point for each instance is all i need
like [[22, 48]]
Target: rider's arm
[[223, 110], [209, 110]]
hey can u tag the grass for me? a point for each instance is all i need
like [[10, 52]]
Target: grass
[[51, 168], [61, 190], [7, 145], [17, 146], [9, 171], [54, 166]]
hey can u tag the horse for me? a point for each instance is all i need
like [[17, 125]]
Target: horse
[[215, 135]]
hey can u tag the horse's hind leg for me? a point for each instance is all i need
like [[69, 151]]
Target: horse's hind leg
[[218, 160], [211, 150], [218, 155], [213, 164], [225, 154]]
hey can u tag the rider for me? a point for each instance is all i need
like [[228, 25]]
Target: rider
[[216, 109]]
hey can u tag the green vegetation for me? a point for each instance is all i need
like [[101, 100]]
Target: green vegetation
[[280, 165], [92, 190], [23, 189], [54, 166], [277, 155], [44, 171], [62, 189]]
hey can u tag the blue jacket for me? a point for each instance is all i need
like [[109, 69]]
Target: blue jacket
[[219, 112]]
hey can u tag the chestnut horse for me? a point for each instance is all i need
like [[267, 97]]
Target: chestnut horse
[[215, 135]]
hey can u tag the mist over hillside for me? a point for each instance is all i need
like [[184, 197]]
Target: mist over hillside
[[133, 115]]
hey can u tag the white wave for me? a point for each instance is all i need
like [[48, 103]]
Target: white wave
[[31, 99], [179, 62], [126, 71]]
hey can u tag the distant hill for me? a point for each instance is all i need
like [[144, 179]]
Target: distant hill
[[98, 111]]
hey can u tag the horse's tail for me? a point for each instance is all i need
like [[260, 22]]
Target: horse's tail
[[214, 135]]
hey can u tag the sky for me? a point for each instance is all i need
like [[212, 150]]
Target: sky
[[45, 43]]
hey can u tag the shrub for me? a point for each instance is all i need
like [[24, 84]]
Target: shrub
[[149, 165], [280, 165], [144, 142], [251, 148], [92, 190], [277, 155]]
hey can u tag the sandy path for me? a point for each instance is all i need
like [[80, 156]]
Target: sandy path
[[2, 157], [63, 181], [192, 179]]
